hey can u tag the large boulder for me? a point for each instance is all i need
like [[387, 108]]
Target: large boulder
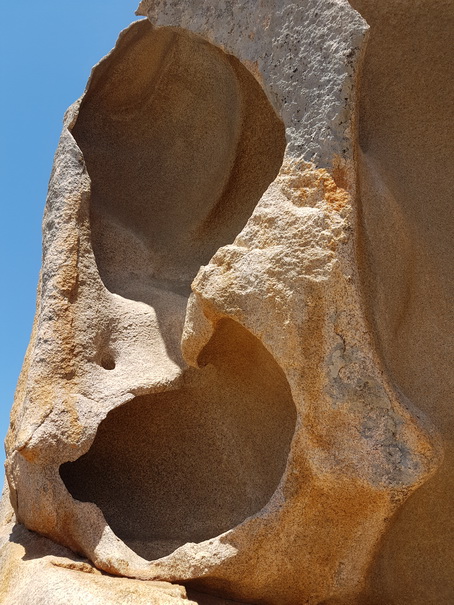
[[213, 394]]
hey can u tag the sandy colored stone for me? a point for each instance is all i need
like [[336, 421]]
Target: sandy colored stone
[[406, 183], [37, 571], [204, 400]]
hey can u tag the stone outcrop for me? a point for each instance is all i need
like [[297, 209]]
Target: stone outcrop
[[406, 181], [37, 571], [223, 387]]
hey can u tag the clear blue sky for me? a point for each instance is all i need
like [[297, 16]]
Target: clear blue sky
[[47, 49]]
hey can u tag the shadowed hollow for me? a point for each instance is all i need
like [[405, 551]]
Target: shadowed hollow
[[180, 143], [186, 465]]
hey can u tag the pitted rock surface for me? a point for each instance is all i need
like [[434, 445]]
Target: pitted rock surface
[[222, 388]]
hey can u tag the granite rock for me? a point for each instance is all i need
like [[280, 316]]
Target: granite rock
[[205, 399]]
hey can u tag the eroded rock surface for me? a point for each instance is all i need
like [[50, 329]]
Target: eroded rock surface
[[203, 400], [406, 185], [37, 571]]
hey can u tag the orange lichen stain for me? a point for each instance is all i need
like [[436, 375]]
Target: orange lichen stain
[[309, 186], [336, 197]]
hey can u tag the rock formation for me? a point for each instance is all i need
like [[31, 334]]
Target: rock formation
[[406, 180], [225, 386]]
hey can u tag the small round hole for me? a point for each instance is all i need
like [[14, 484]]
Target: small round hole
[[107, 362]]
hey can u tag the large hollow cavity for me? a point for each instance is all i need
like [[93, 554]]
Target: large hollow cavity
[[180, 142], [187, 465]]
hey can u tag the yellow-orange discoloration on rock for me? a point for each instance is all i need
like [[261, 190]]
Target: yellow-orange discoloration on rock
[[49, 384], [304, 183], [279, 438]]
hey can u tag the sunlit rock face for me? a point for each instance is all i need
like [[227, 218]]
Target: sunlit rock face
[[222, 388]]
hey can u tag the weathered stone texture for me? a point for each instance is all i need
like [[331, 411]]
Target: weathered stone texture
[[406, 191], [224, 387]]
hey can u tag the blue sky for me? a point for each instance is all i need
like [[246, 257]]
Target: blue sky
[[47, 49]]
